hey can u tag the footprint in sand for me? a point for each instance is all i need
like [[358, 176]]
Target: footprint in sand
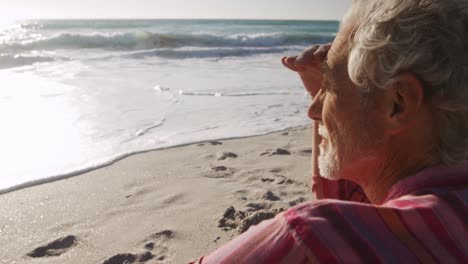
[[226, 155], [55, 248], [276, 170], [156, 250], [256, 206], [264, 195], [121, 258], [218, 172], [230, 219], [157, 244], [241, 221], [267, 180], [307, 152], [219, 168], [278, 179], [254, 219], [129, 258], [297, 201], [278, 151]]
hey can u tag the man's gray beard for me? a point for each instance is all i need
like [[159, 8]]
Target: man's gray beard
[[328, 162]]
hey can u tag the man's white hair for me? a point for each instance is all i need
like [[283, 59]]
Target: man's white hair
[[428, 38]]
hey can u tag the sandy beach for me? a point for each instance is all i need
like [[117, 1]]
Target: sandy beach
[[166, 206]]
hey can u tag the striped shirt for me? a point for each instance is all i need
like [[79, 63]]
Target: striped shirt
[[421, 219]]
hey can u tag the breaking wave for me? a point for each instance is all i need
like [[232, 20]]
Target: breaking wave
[[143, 40], [205, 53]]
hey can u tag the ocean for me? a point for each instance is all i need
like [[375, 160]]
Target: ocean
[[77, 95]]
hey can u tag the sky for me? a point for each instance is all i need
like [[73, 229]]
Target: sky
[[209, 9]]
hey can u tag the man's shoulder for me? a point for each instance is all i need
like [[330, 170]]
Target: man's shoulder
[[330, 218], [423, 199], [325, 208], [336, 231], [366, 232]]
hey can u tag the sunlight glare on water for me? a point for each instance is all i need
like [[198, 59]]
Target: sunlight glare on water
[[36, 118]]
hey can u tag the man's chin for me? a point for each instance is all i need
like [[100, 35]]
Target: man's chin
[[328, 169], [333, 177]]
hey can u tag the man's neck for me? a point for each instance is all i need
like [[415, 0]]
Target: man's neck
[[378, 187], [398, 161]]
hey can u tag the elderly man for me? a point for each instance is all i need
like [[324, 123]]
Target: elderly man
[[390, 103]]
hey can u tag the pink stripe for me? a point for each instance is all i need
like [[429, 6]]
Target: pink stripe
[[415, 237], [310, 255], [450, 223], [295, 254], [227, 252], [316, 231], [281, 244], [370, 217], [415, 220], [303, 230]]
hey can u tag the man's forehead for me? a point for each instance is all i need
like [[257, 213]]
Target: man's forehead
[[340, 47]]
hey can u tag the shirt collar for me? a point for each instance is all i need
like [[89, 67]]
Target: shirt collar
[[434, 177]]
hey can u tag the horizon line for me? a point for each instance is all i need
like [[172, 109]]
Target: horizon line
[[152, 18]]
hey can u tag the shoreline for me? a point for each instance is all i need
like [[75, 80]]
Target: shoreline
[[119, 157], [165, 206]]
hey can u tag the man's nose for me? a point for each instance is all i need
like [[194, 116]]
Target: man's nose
[[315, 109]]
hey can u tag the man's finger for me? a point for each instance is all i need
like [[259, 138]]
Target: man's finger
[[322, 51], [307, 57], [289, 62]]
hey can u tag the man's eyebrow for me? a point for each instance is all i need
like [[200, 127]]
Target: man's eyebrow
[[327, 75]]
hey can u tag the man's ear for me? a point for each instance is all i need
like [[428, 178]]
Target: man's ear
[[404, 99]]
